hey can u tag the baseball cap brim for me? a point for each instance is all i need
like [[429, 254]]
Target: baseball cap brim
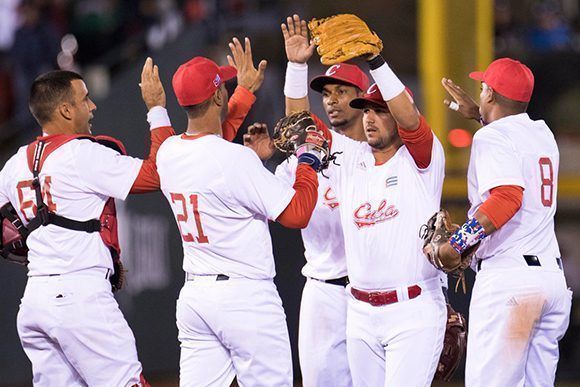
[[362, 103], [477, 75], [227, 72], [317, 83]]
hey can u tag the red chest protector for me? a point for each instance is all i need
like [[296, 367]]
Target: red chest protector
[[106, 225]]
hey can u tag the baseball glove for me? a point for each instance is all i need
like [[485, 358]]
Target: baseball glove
[[298, 134], [436, 233], [343, 37], [454, 345]]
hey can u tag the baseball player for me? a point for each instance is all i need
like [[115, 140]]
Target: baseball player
[[386, 186], [69, 323], [520, 306], [322, 326], [229, 314]]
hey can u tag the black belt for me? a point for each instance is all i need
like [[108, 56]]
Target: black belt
[[531, 260], [342, 281]]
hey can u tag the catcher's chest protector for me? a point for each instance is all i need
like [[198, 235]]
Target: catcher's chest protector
[[108, 219]]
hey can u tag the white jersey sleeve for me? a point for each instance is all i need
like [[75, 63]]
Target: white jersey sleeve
[[496, 161], [3, 189], [255, 188], [104, 170]]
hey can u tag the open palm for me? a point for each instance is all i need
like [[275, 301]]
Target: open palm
[[295, 32]]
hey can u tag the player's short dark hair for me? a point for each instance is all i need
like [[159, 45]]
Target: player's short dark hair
[[514, 107], [196, 111], [48, 91]]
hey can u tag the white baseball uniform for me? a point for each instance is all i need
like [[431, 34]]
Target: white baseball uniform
[[520, 306], [69, 323], [322, 325], [382, 208], [229, 314]]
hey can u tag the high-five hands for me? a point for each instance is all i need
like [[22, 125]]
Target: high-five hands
[[152, 90], [298, 48], [241, 58], [462, 102]]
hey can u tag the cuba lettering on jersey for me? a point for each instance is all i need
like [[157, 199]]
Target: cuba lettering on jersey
[[76, 182], [222, 198], [517, 151], [323, 238], [382, 209]]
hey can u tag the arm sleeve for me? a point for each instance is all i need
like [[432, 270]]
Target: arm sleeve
[[502, 204], [419, 142], [239, 106], [148, 180], [496, 160], [298, 212]]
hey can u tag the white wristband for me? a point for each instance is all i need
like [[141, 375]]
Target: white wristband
[[296, 84], [158, 117], [388, 82]]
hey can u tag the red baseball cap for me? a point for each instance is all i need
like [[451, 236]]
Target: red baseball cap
[[373, 98], [509, 77], [196, 80], [342, 73]]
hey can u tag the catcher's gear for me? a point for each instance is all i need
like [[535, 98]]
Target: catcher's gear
[[106, 225], [436, 233], [454, 345], [13, 236], [298, 134], [343, 37]]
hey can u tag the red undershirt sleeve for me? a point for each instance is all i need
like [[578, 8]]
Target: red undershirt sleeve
[[148, 180], [298, 212], [239, 106], [419, 142], [502, 204]]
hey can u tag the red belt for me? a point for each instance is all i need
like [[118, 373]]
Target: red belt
[[384, 298]]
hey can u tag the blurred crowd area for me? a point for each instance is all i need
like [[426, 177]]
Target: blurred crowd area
[[100, 37], [89, 36]]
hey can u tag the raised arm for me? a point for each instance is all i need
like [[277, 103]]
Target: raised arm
[[154, 97], [298, 51], [250, 80]]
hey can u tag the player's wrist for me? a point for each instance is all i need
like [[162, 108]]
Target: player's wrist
[[466, 236], [158, 117], [296, 82], [387, 81]]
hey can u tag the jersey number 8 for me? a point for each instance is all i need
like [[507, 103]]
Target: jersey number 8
[[547, 176]]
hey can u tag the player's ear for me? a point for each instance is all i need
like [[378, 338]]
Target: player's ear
[[218, 97], [64, 110]]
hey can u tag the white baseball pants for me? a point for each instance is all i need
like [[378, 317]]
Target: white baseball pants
[[397, 344], [516, 318], [73, 332], [235, 327], [322, 335]]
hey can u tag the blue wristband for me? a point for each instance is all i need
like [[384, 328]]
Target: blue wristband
[[467, 235], [309, 159]]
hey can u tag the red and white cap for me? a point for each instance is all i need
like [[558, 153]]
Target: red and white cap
[[373, 98], [510, 78], [196, 80], [341, 73]]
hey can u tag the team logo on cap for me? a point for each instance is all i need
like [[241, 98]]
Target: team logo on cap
[[332, 70], [217, 80], [373, 89]]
